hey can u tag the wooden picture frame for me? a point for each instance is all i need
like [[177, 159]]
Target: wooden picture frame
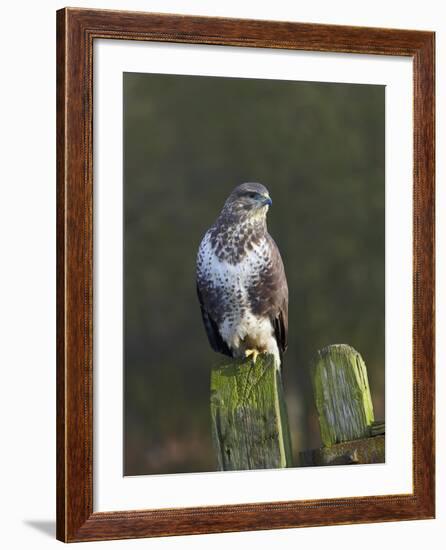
[[76, 31]]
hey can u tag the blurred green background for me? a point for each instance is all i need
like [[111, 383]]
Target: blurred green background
[[188, 140]]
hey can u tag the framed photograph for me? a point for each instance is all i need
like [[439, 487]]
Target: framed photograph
[[245, 275]]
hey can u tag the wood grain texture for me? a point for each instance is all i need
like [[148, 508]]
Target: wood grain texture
[[76, 31], [249, 420], [369, 450], [341, 394]]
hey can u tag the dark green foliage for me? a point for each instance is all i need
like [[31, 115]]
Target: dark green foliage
[[188, 141]]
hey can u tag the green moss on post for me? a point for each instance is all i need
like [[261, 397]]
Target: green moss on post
[[342, 395], [249, 420]]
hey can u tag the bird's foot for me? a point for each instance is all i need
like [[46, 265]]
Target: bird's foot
[[252, 353]]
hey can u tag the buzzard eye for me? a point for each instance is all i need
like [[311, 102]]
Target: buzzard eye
[[252, 195]]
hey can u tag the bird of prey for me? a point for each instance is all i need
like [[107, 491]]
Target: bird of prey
[[241, 282]]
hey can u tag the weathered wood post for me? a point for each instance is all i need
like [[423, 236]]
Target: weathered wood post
[[342, 396], [249, 419]]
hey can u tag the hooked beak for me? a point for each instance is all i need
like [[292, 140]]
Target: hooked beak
[[267, 201]]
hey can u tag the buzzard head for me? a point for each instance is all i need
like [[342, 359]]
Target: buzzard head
[[249, 200]]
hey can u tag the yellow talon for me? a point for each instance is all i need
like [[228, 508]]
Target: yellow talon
[[252, 352]]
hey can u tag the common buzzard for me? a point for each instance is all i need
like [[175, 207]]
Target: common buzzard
[[241, 281]]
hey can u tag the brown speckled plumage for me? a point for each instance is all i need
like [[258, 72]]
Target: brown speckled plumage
[[241, 281]]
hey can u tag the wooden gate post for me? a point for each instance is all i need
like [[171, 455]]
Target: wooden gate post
[[249, 419], [342, 396]]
